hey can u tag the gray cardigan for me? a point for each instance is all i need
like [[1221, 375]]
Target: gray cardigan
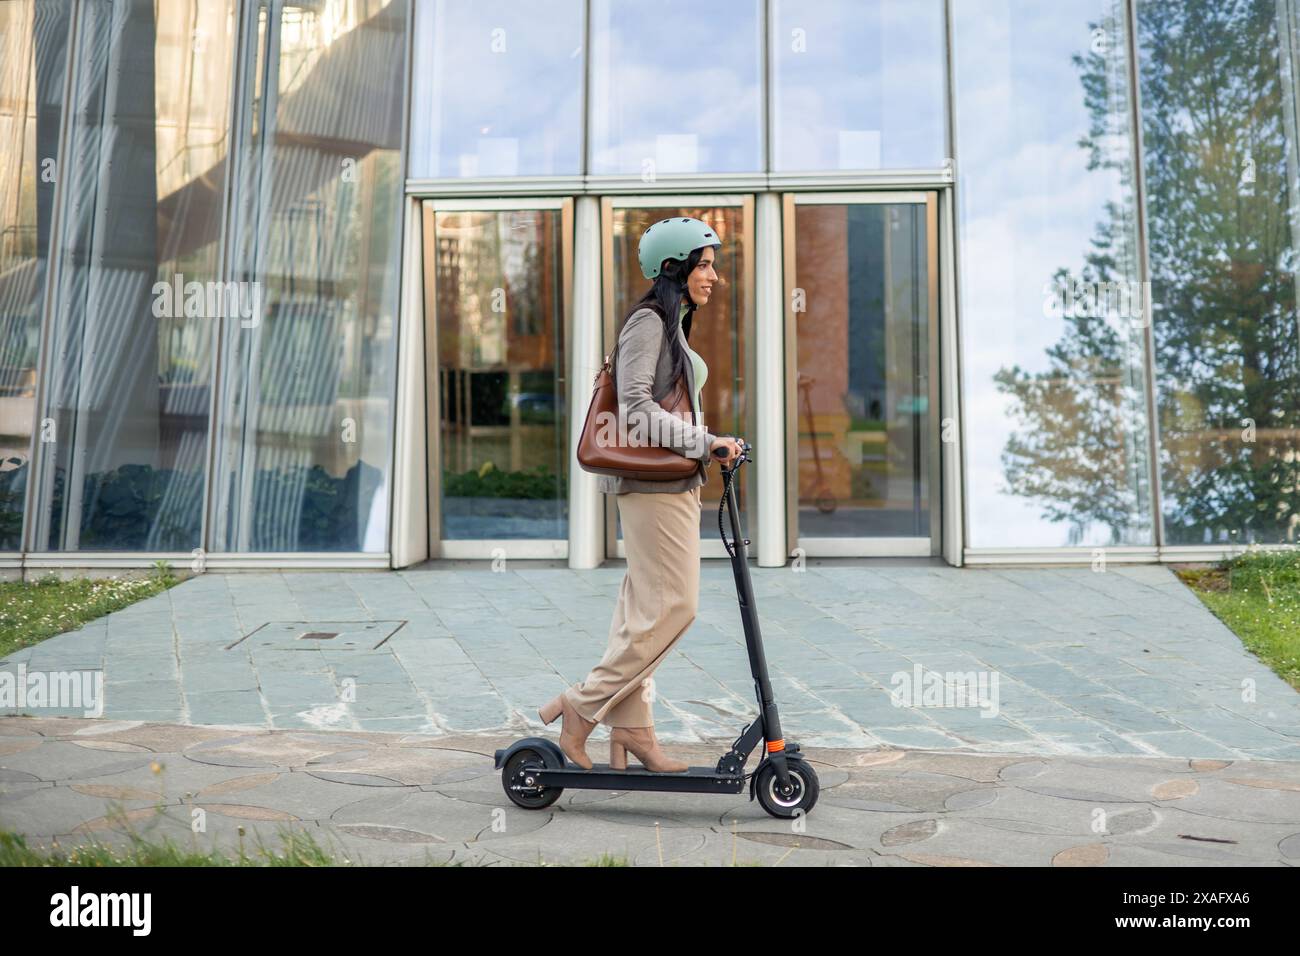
[[643, 370]]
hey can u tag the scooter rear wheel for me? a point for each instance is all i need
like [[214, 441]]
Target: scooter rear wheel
[[529, 794], [802, 796]]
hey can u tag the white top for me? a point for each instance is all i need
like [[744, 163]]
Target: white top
[[701, 375]]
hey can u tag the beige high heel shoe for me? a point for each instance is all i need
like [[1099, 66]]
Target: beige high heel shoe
[[573, 732], [641, 741]]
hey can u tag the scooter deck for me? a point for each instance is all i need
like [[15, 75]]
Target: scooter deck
[[602, 777]]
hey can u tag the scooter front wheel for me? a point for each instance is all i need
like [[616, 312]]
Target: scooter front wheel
[[804, 788], [520, 784]]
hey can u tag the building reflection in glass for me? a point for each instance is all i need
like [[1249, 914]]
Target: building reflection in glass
[[501, 356]]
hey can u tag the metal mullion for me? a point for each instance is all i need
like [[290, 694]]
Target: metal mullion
[[73, 488], [236, 126], [585, 133], [1144, 275], [934, 476], [36, 525], [492, 205], [261, 215], [952, 495], [565, 358], [949, 88], [789, 216], [1286, 31], [624, 185], [607, 342], [765, 60], [748, 362], [433, 389], [678, 199], [399, 231], [954, 225], [881, 197]]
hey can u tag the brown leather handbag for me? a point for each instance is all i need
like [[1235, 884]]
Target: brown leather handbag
[[646, 462]]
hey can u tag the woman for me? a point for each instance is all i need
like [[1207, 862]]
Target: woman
[[661, 519]]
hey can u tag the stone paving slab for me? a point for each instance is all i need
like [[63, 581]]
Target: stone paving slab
[[402, 799], [1074, 662]]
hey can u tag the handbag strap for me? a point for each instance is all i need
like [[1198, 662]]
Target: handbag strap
[[609, 365], [609, 362]]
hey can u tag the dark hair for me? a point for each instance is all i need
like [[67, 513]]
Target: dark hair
[[665, 296]]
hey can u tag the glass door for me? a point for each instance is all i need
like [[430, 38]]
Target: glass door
[[496, 324], [862, 309], [722, 332]]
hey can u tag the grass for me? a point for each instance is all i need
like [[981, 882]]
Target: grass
[[31, 611], [1257, 595], [296, 849]]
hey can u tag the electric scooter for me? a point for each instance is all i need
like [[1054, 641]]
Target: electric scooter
[[535, 772]]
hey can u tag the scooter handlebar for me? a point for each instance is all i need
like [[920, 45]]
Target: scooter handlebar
[[746, 454]]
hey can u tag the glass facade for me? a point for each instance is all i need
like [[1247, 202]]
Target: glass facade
[[33, 66], [864, 281], [499, 325], [1221, 162], [204, 270], [306, 425], [497, 89], [190, 188], [127, 402], [668, 96], [1057, 450], [857, 85]]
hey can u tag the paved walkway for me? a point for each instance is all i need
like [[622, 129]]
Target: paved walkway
[[1075, 662], [396, 798]]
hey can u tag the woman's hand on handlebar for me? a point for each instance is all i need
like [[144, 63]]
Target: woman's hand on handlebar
[[726, 449]]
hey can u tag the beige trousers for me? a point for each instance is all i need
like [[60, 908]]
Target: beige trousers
[[657, 602]]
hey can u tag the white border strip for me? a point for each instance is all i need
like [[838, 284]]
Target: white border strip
[[1182, 554], [856, 548], [211, 562], [523, 548]]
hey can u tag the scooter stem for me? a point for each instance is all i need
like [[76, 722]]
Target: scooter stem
[[749, 620]]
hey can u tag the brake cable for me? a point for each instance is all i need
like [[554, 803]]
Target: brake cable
[[722, 504]]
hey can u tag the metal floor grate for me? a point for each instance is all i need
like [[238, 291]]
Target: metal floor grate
[[312, 635]]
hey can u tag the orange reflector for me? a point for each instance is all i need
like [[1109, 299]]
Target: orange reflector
[[775, 745]]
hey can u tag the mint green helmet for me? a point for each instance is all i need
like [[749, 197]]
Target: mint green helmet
[[672, 239]]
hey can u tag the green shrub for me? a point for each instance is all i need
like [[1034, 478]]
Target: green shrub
[[490, 482], [1264, 570]]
